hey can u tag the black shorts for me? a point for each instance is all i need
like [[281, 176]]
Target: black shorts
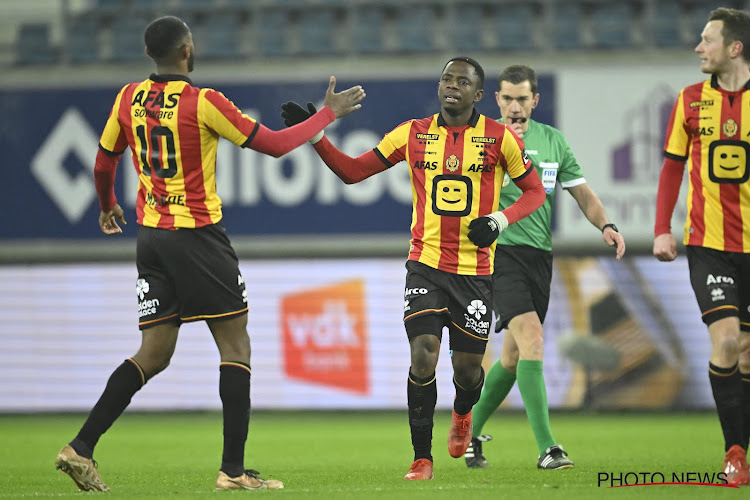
[[721, 282], [434, 299], [187, 275], [520, 282]]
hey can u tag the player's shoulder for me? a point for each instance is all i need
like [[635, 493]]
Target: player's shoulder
[[695, 88], [418, 124], [493, 124]]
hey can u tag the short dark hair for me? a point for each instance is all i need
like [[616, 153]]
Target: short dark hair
[[736, 27], [164, 35], [516, 74], [477, 68]]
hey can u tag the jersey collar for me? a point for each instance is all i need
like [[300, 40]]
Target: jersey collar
[[168, 78], [473, 120], [715, 83]]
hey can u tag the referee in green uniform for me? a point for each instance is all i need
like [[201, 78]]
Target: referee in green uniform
[[523, 270]]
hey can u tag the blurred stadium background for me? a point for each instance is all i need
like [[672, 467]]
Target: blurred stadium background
[[324, 262]]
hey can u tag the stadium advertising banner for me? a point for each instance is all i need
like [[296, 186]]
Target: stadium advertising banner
[[49, 141], [329, 334], [615, 119]]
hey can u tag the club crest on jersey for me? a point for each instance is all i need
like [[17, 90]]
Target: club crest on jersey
[[729, 127], [452, 163]]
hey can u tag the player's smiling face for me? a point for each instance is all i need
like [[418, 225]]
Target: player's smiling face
[[713, 52], [457, 89]]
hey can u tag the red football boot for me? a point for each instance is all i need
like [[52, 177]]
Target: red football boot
[[420, 469], [735, 466], [459, 435]]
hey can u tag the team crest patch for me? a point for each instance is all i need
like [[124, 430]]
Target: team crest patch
[[452, 163], [729, 127]]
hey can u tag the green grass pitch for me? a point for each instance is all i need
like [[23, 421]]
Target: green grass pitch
[[353, 455]]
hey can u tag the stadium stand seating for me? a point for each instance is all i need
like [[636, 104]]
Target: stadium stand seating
[[111, 30], [33, 44], [82, 40], [566, 25], [663, 25], [127, 38], [272, 36], [220, 35], [611, 26], [316, 33], [467, 28], [514, 24], [367, 29], [416, 28]]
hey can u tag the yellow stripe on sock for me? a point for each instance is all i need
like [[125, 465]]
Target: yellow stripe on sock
[[237, 364]]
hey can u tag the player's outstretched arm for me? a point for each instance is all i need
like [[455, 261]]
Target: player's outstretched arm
[[308, 125], [593, 209], [348, 169]]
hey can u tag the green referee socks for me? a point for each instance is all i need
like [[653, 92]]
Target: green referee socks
[[534, 394], [497, 384]]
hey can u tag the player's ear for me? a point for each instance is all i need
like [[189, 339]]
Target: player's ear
[[737, 47], [185, 51], [536, 101], [478, 96]]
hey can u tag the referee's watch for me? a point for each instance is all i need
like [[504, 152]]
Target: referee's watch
[[614, 228]]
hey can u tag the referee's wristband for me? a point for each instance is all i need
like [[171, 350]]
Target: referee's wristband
[[614, 228]]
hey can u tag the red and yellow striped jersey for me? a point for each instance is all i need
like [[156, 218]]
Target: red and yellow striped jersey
[[456, 175], [173, 131], [710, 127]]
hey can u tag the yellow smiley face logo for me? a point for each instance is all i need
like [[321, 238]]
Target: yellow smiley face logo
[[728, 162], [451, 195]]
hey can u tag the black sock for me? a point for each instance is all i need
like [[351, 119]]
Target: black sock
[[234, 390], [422, 396], [124, 382], [726, 384], [746, 410], [465, 399]]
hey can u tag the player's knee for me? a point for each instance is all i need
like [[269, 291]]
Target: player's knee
[[744, 358], [532, 347], [424, 349], [509, 360], [466, 375], [153, 365], [727, 344]]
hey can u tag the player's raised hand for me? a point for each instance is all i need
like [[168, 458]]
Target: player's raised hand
[[293, 113], [108, 220], [665, 247], [344, 102]]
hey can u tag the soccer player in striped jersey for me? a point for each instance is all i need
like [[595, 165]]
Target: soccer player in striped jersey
[[523, 269], [710, 129], [457, 161], [187, 268]]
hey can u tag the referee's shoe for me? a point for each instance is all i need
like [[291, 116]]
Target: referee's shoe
[[474, 456], [554, 458]]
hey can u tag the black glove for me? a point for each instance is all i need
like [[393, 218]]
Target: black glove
[[483, 231], [293, 113]]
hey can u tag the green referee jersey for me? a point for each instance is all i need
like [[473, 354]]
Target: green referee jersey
[[550, 154]]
